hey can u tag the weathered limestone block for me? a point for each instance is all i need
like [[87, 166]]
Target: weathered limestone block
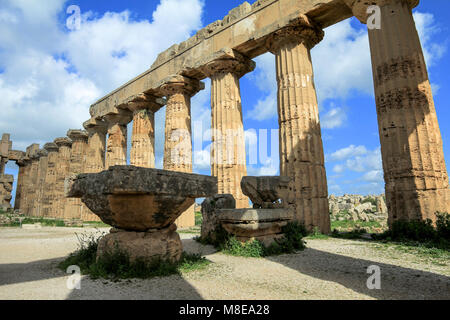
[[301, 148], [116, 147], [74, 208], [6, 186], [255, 224], [139, 199], [228, 159], [61, 165], [210, 207], [20, 183], [33, 183], [156, 244], [411, 144], [178, 141], [268, 192]]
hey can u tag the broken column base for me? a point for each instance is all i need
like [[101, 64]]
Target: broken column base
[[150, 246], [265, 225]]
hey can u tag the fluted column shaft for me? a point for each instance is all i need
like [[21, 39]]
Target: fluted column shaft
[[411, 144], [40, 187], [301, 148], [116, 146], [34, 171], [95, 159], [20, 184], [61, 164], [178, 142], [50, 191], [228, 158], [74, 207]]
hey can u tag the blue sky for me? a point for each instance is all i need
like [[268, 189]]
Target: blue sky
[[49, 76]]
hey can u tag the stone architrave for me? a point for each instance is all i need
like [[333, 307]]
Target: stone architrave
[[178, 142], [143, 137], [62, 165], [49, 195], [301, 148], [116, 146], [415, 173], [73, 209], [228, 158]]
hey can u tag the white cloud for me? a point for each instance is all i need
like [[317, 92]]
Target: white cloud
[[348, 152], [334, 118], [265, 79], [426, 27], [51, 76], [374, 176], [371, 161]]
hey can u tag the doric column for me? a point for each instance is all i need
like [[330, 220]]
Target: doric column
[[40, 184], [33, 182], [49, 195], [301, 148], [61, 165], [143, 137], [116, 147], [22, 163], [74, 207], [178, 142], [95, 160], [411, 144], [228, 158]]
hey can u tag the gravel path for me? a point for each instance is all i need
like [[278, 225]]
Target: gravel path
[[327, 269]]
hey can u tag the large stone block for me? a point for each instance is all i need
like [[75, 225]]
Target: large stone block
[[139, 199], [210, 207], [147, 246]]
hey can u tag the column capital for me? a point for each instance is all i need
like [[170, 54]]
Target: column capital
[[51, 147], [180, 84], [144, 102], [77, 135], [302, 30], [359, 7], [43, 153], [63, 142], [236, 64], [122, 117], [93, 126]]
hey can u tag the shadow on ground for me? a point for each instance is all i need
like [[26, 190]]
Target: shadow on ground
[[396, 282]]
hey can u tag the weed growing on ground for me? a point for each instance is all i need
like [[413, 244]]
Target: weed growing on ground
[[117, 265]]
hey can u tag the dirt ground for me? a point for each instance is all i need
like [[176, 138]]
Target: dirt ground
[[327, 269]]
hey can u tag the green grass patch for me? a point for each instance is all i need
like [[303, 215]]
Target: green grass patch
[[198, 218], [228, 244], [117, 265], [96, 224], [44, 222], [317, 235]]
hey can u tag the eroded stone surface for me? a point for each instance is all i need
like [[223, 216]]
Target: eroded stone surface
[[210, 208], [160, 244], [268, 192], [139, 199]]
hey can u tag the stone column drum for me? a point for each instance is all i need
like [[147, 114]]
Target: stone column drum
[[62, 164], [116, 147], [41, 186], [178, 143], [228, 158], [95, 159], [301, 148], [74, 208], [411, 144], [49, 195], [143, 138], [20, 183], [33, 182]]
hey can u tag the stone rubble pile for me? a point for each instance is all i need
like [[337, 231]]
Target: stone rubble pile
[[358, 208]]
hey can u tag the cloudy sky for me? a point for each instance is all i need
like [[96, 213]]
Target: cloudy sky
[[50, 74]]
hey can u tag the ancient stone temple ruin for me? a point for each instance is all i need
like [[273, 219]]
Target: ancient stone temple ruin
[[411, 144]]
